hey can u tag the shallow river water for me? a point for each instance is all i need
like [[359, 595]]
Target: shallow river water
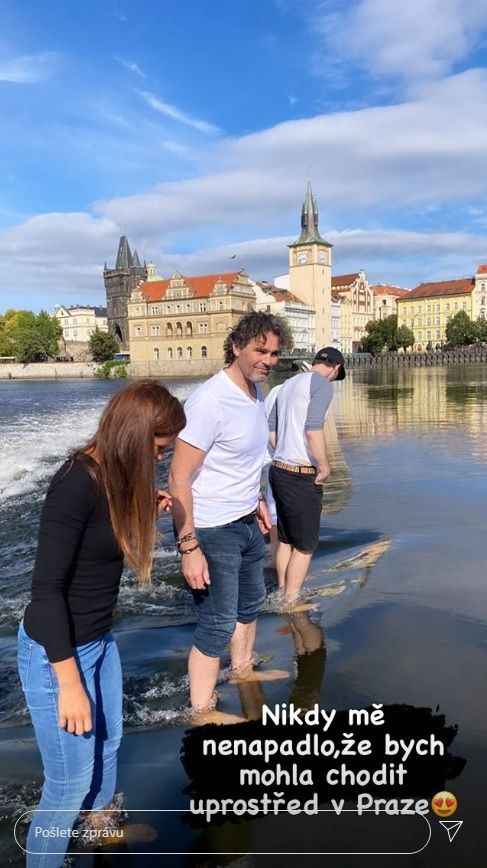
[[397, 618]]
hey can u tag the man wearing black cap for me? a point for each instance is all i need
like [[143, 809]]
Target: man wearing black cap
[[300, 465]]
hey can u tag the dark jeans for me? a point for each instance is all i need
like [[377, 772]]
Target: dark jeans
[[235, 555]]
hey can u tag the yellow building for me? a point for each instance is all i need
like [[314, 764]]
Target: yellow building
[[186, 318], [356, 308], [428, 308]]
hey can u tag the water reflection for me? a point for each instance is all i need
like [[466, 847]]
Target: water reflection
[[384, 402]]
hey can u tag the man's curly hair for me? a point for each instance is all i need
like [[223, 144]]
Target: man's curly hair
[[255, 324]]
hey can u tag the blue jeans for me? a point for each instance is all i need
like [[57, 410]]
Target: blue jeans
[[235, 555], [79, 771]]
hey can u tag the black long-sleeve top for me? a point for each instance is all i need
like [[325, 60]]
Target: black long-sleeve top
[[78, 564]]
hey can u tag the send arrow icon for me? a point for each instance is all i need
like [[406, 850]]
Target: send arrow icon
[[452, 827]]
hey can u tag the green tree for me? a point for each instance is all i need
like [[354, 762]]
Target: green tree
[[30, 347], [481, 325], [33, 338], [288, 342], [461, 331], [103, 345], [404, 337]]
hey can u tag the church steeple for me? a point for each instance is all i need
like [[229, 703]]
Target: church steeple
[[309, 221]]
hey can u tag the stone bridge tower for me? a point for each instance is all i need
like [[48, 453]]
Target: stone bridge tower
[[119, 283]]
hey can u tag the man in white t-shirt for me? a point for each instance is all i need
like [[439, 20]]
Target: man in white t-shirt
[[218, 511], [300, 465]]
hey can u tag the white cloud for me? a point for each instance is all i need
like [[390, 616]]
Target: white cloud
[[369, 167], [417, 41], [132, 67], [28, 69], [433, 148], [177, 114]]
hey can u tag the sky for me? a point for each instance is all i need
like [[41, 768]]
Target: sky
[[193, 127]]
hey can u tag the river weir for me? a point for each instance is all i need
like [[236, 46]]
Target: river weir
[[395, 619]]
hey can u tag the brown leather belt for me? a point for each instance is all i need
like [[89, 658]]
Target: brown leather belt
[[294, 468]]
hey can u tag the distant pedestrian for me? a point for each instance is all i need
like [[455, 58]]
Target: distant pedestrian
[[300, 465]]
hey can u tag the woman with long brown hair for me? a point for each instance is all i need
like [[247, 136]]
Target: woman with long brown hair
[[100, 510]]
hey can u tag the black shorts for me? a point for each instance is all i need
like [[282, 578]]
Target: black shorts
[[299, 503]]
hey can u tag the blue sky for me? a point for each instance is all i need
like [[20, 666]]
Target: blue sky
[[193, 128]]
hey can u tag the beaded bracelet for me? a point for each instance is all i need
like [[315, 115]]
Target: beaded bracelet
[[188, 551]]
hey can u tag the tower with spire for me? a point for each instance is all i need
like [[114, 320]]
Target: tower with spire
[[310, 269], [119, 283]]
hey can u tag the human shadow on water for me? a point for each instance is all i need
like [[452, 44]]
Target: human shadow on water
[[227, 840]]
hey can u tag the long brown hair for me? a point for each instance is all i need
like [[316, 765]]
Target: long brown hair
[[124, 450]]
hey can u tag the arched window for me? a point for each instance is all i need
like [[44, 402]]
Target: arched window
[[204, 352], [169, 330], [179, 328], [156, 354], [189, 328], [169, 352], [179, 353], [154, 330], [189, 353], [138, 331]]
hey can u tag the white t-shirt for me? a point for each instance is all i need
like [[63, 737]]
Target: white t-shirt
[[300, 406], [232, 429]]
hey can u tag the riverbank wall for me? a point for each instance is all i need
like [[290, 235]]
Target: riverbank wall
[[47, 370]]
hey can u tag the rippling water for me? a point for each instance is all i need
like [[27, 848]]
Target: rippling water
[[397, 585]]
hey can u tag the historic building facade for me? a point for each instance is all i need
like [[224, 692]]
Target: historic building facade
[[357, 307], [428, 308], [186, 318], [300, 317], [385, 299], [79, 322]]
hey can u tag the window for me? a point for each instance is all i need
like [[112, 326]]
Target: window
[[154, 310], [179, 352], [438, 336], [156, 354], [464, 305], [221, 305], [455, 306], [437, 307], [429, 308], [202, 328], [154, 330], [448, 306], [189, 328], [189, 353], [202, 306], [428, 321], [204, 352], [169, 330], [168, 308], [169, 352], [138, 331], [437, 320], [179, 328], [482, 301]]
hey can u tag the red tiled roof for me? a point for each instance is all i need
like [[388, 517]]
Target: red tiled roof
[[459, 286], [482, 269], [201, 285], [387, 289], [344, 279]]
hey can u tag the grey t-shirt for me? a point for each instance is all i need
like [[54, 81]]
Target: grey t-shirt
[[301, 406]]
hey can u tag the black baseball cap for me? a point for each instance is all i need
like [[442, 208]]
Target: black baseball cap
[[334, 357]]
